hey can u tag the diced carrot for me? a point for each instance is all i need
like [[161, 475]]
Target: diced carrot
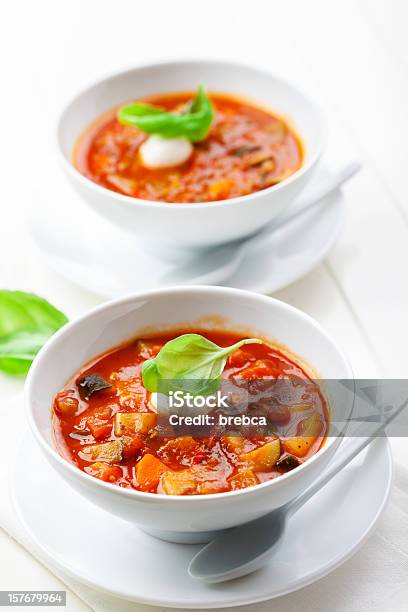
[[220, 189], [65, 405], [238, 359], [259, 369], [100, 429], [99, 423], [104, 471], [149, 471]]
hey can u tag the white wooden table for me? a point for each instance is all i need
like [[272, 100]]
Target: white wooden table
[[352, 54]]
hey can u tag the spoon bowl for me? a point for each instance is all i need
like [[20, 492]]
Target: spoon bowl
[[246, 548], [240, 552]]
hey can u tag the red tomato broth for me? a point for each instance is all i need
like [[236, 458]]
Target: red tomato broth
[[247, 149], [185, 465]]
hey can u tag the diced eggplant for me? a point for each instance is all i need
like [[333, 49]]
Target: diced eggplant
[[88, 385], [287, 462], [131, 446]]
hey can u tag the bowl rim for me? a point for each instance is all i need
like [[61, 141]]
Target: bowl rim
[[161, 497], [130, 201]]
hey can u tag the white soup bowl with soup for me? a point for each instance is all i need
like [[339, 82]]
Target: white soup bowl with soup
[[182, 518], [196, 224]]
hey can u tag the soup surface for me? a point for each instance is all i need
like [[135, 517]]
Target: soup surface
[[104, 421], [246, 150]]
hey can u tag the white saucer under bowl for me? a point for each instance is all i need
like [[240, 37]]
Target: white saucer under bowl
[[111, 555], [98, 256]]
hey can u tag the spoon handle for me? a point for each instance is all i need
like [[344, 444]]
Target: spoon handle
[[325, 187], [350, 450], [328, 185]]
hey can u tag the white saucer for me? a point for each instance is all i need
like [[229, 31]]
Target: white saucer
[[111, 555], [94, 254]]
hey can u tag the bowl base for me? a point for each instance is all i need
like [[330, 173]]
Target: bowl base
[[182, 537]]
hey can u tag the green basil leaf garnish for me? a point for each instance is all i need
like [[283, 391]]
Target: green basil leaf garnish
[[189, 358], [193, 124], [26, 323]]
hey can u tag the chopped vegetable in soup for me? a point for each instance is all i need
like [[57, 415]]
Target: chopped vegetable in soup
[[104, 421], [246, 149]]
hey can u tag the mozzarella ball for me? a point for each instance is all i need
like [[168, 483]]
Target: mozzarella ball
[[157, 152]]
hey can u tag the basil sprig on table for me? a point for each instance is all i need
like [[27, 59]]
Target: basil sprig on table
[[26, 323], [189, 363], [193, 123]]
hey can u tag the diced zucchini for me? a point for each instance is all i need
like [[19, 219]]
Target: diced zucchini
[[130, 423], [263, 458], [111, 452], [243, 479], [212, 486], [311, 427], [298, 445], [309, 430], [178, 483], [234, 444]]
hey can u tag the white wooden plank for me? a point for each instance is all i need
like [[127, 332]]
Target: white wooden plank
[[318, 295], [22, 571], [390, 22], [369, 260], [365, 81]]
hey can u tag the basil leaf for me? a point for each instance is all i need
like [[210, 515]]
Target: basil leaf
[[26, 323], [187, 359], [90, 384], [194, 123]]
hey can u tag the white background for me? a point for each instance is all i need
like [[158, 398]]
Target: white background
[[352, 55]]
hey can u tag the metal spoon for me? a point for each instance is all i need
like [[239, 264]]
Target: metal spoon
[[241, 550], [220, 263]]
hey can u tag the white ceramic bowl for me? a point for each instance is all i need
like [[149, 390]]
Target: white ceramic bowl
[[184, 518], [202, 224]]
